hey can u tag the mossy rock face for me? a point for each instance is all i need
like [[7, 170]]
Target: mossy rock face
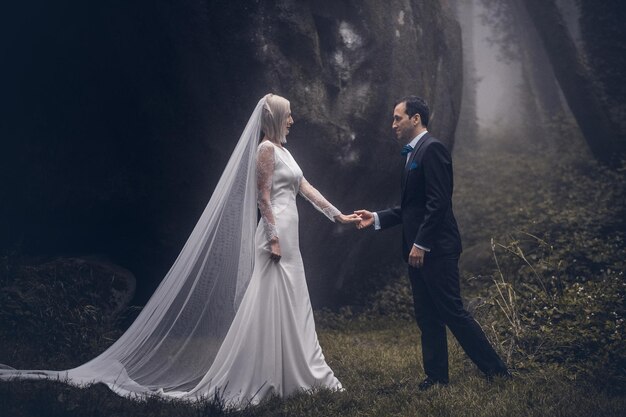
[[119, 154], [343, 64], [60, 310]]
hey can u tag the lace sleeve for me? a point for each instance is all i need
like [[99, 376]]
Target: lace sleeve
[[264, 174], [317, 199]]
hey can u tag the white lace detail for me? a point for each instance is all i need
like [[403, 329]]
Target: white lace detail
[[318, 201], [264, 175]]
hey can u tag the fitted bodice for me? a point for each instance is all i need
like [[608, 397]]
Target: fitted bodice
[[286, 179], [279, 181]]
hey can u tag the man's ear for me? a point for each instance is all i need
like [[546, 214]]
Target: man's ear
[[416, 119]]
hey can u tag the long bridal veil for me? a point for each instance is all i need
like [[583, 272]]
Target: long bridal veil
[[173, 342]]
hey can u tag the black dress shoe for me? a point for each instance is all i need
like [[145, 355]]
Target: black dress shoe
[[505, 375], [428, 383]]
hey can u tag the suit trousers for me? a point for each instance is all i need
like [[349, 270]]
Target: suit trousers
[[437, 302]]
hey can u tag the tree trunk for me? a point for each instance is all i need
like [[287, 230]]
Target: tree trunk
[[573, 77], [602, 34], [467, 126], [535, 62], [540, 95]]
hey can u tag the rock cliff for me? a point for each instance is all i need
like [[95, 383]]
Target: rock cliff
[[126, 116]]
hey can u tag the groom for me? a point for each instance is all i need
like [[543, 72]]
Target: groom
[[432, 245]]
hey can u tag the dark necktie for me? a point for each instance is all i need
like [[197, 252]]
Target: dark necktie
[[406, 149]]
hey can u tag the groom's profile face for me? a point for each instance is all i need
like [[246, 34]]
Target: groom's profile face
[[403, 125]]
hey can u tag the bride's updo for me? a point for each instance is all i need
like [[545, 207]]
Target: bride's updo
[[275, 113]]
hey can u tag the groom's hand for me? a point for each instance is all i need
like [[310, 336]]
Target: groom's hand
[[416, 257], [367, 219]]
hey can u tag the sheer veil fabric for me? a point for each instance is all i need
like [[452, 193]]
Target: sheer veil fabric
[[173, 342], [226, 319]]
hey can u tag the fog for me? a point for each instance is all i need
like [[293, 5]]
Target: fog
[[497, 91], [514, 80]]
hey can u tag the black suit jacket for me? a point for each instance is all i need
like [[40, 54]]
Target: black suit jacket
[[425, 209]]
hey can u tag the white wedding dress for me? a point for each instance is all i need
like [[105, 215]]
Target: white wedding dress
[[272, 347], [226, 319]]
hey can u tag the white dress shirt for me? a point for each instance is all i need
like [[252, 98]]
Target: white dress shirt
[[412, 144]]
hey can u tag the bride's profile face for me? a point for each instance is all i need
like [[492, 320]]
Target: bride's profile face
[[288, 122]]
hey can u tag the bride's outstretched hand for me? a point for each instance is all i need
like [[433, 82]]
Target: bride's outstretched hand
[[349, 219]]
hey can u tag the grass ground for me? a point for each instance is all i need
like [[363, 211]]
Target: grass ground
[[378, 363]]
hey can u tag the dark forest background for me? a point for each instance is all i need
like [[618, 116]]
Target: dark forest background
[[117, 119], [120, 117]]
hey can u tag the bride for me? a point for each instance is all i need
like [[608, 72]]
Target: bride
[[232, 317]]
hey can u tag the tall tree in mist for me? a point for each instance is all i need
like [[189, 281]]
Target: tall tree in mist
[[603, 35], [583, 96], [517, 40], [467, 126]]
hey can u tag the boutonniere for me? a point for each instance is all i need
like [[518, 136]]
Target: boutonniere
[[413, 166]]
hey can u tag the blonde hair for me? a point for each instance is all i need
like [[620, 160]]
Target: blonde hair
[[275, 113]]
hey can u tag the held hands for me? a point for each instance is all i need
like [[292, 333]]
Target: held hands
[[366, 217], [351, 218]]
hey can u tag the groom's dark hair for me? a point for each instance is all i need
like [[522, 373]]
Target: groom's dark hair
[[416, 105]]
